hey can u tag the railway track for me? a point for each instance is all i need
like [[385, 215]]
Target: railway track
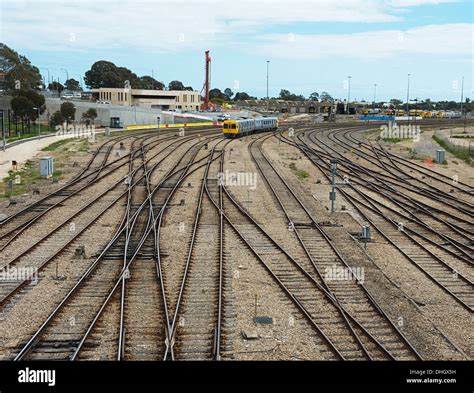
[[58, 339], [141, 326], [324, 257], [385, 161], [448, 238], [415, 250], [197, 320], [60, 239], [15, 224], [123, 308]]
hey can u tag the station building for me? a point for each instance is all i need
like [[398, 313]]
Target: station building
[[184, 100]]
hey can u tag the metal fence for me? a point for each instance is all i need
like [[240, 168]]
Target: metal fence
[[461, 145]]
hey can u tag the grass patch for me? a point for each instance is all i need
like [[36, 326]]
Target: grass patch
[[29, 133], [84, 145], [55, 145], [81, 145], [299, 172], [372, 132], [392, 140], [29, 175]]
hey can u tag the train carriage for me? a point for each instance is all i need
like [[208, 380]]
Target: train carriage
[[242, 127]]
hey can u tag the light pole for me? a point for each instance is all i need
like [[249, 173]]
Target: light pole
[[462, 94], [416, 109], [375, 92], [349, 93], [408, 96], [268, 65], [332, 193], [49, 79], [67, 74], [79, 80]]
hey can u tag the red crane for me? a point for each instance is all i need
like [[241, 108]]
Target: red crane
[[207, 84]]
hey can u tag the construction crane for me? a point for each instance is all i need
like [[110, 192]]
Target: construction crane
[[206, 105]]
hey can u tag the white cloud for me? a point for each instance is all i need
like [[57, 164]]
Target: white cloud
[[176, 25], [166, 25], [414, 3], [448, 39]]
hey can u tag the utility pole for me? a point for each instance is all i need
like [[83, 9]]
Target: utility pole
[[349, 93], [408, 95], [268, 65], [375, 91], [49, 79], [416, 109], [67, 74], [79, 80], [462, 94], [332, 194]]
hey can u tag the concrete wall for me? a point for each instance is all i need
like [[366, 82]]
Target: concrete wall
[[127, 115]]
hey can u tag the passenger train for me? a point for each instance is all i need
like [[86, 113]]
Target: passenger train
[[238, 128]]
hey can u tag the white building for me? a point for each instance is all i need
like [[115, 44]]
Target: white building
[[183, 100]]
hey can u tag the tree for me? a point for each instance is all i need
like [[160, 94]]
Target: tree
[[73, 85], [228, 93], [103, 74], [56, 86], [22, 107], [242, 96], [189, 88], [314, 96], [26, 104], [287, 96], [217, 100], [132, 78], [89, 115], [395, 102], [56, 119], [326, 97], [150, 83], [216, 93], [176, 85], [19, 72], [284, 94], [68, 110], [37, 99]]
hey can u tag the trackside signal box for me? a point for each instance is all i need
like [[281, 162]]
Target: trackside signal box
[[46, 166]]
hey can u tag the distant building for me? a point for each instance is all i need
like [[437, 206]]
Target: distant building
[[183, 100], [283, 106]]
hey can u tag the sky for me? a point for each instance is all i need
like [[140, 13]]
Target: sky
[[312, 45]]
